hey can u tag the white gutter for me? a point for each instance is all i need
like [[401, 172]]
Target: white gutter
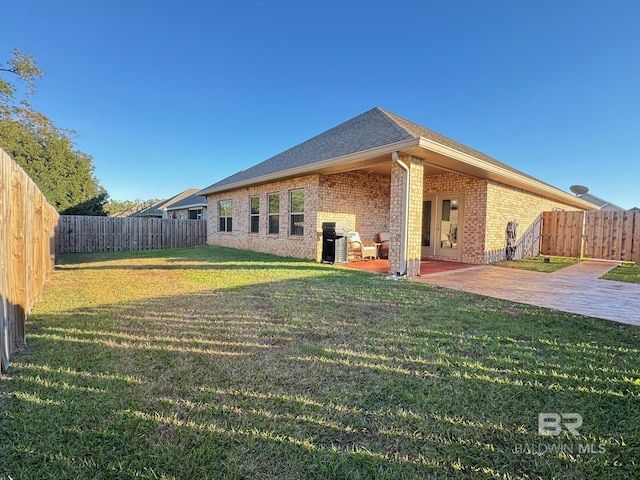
[[405, 214]]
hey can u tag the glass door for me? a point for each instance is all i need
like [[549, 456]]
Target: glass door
[[449, 226], [442, 226], [428, 226]]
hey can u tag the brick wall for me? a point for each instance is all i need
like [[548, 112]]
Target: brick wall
[[357, 198], [281, 244], [474, 193], [371, 203], [414, 227], [508, 204], [395, 217]]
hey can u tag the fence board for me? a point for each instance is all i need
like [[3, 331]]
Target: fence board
[[635, 244], [27, 227], [608, 235], [84, 234]]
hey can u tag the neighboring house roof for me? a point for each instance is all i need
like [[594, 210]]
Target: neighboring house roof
[[600, 203], [370, 138], [131, 212], [192, 201], [156, 209], [634, 209]]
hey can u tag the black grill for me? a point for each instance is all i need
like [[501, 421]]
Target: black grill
[[335, 242]]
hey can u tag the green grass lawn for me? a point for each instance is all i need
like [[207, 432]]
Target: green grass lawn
[[538, 264], [627, 272], [217, 363]]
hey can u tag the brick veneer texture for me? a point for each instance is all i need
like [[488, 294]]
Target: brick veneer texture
[[474, 193], [370, 203], [358, 198], [507, 204]]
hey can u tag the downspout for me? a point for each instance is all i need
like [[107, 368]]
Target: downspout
[[405, 214]]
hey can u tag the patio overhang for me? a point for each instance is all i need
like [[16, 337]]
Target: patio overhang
[[454, 160]]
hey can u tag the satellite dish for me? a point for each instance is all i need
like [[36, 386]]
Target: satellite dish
[[578, 189]]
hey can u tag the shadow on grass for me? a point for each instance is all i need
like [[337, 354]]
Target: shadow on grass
[[340, 376]]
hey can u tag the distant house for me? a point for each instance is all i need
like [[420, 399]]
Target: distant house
[[193, 207], [380, 173], [600, 203], [161, 208]]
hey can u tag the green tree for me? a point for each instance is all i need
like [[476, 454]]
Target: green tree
[[127, 207], [48, 154]]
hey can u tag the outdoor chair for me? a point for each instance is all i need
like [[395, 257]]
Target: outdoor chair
[[383, 249], [363, 249]]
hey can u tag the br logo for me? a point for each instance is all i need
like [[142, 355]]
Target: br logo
[[553, 424]]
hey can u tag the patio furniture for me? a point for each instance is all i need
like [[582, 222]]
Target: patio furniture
[[383, 239], [363, 249]]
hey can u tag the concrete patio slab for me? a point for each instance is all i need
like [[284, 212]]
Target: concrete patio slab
[[574, 289]]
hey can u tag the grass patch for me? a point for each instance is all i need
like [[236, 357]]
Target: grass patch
[[538, 264], [218, 363], [627, 272]]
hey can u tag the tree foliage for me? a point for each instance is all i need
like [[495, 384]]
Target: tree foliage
[[48, 154], [127, 207], [24, 66]]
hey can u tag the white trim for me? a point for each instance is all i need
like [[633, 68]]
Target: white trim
[[501, 174]]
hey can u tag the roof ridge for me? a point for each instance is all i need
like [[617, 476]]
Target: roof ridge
[[388, 116]]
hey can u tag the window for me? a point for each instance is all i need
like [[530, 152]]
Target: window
[[195, 214], [225, 212], [274, 214], [296, 212], [254, 216]]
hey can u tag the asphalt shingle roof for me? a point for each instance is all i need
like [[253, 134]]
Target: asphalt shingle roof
[[155, 210], [190, 201], [368, 130], [371, 129]]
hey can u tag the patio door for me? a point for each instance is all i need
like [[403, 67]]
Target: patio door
[[442, 218], [428, 226]]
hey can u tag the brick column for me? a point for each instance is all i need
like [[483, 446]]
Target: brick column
[[395, 218], [414, 244], [396, 215]]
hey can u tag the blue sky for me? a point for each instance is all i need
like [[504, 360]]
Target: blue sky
[[171, 95]]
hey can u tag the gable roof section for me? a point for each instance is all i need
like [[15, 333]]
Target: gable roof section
[[191, 201], [155, 210], [371, 129], [374, 133], [420, 131]]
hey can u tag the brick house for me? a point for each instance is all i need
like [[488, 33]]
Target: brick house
[[378, 172], [192, 207]]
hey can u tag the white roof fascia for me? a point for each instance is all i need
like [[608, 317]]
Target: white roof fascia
[[504, 175]]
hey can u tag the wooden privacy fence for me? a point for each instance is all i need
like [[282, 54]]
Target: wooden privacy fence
[[84, 234], [27, 230], [606, 235]]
